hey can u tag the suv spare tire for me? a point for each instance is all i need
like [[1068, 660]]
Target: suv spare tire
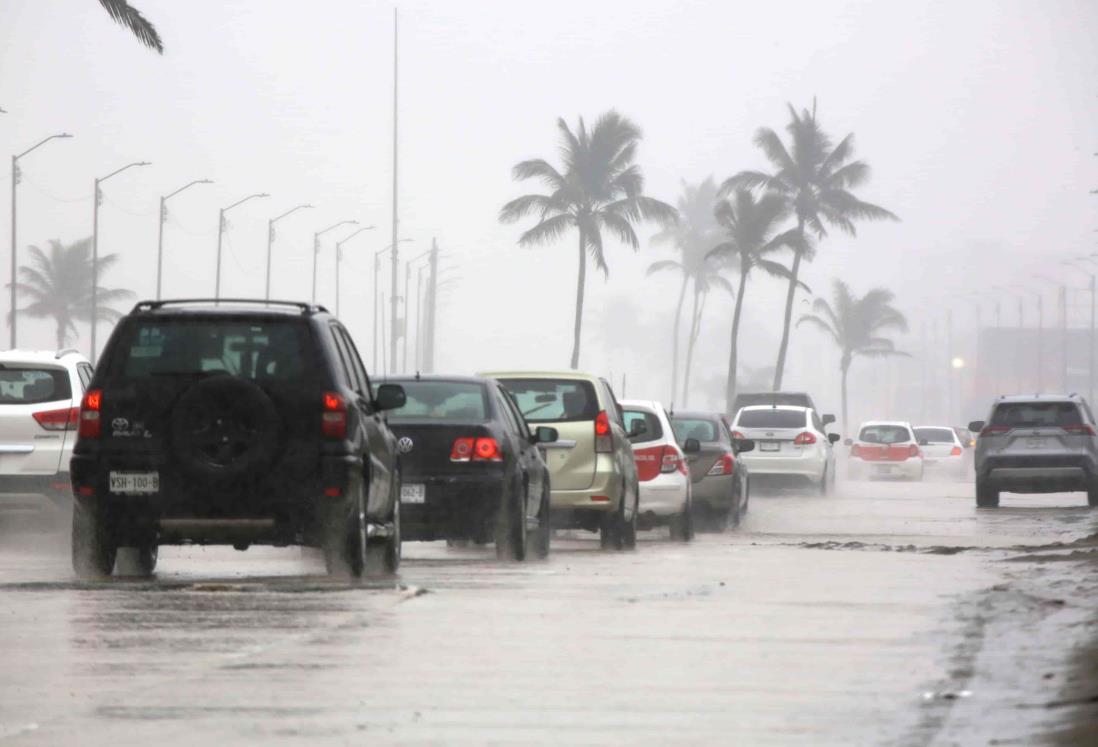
[[224, 427]]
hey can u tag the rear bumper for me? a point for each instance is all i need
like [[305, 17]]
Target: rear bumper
[[456, 507], [715, 493], [664, 495], [1038, 473], [908, 469], [602, 496], [811, 466], [55, 487]]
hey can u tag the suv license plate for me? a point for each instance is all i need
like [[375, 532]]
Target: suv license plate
[[415, 493], [1035, 443], [135, 483], [769, 446]]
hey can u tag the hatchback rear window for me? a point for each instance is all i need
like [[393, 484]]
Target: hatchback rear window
[[771, 419], [1036, 414], [460, 401], [697, 428], [554, 400], [935, 435], [29, 386], [884, 434], [259, 350], [653, 431]]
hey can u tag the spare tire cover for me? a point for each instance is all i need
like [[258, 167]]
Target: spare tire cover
[[224, 427]]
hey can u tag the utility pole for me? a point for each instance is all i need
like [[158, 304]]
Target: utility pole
[[160, 235], [432, 305], [393, 300], [419, 316], [97, 198], [14, 241], [221, 232], [270, 243], [1063, 336], [404, 322]]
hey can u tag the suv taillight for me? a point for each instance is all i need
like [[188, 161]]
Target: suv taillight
[[475, 450], [672, 460], [991, 430], [604, 441], [1080, 429], [723, 466], [59, 420], [333, 421], [807, 438], [89, 413]]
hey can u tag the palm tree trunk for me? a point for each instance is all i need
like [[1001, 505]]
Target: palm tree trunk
[[845, 366], [675, 338], [579, 301], [779, 369], [60, 334], [695, 321], [733, 362]]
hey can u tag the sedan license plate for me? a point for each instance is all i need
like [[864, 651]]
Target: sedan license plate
[[415, 493], [135, 483], [769, 446]]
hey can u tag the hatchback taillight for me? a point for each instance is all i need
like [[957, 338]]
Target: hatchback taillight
[[856, 451], [672, 460], [913, 451], [89, 414], [722, 466], [807, 438], [604, 441], [59, 420], [333, 421]]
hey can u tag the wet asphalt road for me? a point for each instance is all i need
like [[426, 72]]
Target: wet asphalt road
[[888, 614]]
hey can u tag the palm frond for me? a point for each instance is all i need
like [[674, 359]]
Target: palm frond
[[548, 230], [814, 321], [540, 169], [130, 17], [664, 264]]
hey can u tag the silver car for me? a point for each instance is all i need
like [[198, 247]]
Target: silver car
[[1041, 443]]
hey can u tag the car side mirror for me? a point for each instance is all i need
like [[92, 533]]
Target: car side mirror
[[390, 397], [743, 444], [849, 442], [639, 427], [543, 434], [976, 426], [827, 419], [834, 437], [691, 446]]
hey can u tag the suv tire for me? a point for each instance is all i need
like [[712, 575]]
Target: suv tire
[[543, 536], [987, 497], [682, 523], [137, 561], [93, 548], [1092, 493], [610, 530], [628, 529], [383, 554], [344, 538], [511, 527]]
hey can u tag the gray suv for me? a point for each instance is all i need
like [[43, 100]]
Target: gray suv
[[1042, 443]]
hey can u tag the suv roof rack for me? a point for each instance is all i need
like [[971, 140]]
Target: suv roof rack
[[306, 308], [67, 351]]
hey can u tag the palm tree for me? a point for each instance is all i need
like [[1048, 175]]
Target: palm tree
[[693, 235], [751, 235], [815, 180], [59, 286], [599, 188], [130, 17], [705, 276], [856, 326]]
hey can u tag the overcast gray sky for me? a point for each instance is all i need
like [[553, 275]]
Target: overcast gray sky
[[979, 118]]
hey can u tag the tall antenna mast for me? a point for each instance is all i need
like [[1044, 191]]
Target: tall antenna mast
[[393, 292]]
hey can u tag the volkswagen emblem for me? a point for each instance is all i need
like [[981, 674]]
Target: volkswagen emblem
[[404, 445]]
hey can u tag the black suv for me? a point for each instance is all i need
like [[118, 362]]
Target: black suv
[[234, 423]]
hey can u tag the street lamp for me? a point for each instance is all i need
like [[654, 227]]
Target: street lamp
[[339, 257], [220, 235], [160, 237], [14, 250], [270, 242], [408, 306], [316, 246], [377, 272], [97, 198]]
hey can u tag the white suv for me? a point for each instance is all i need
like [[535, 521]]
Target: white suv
[[40, 395]]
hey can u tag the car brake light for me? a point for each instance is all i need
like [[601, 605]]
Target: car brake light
[[991, 430], [475, 450], [462, 450], [955, 451], [672, 460], [856, 451], [1079, 429], [723, 466], [806, 438], [59, 420], [737, 436], [604, 441], [913, 451], [333, 421], [89, 413]]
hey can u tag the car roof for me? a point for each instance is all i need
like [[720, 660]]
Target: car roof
[[885, 422], [40, 356], [932, 425], [696, 415], [575, 375], [647, 404], [798, 408], [1039, 398], [402, 378], [247, 307]]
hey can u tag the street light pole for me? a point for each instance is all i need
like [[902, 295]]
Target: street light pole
[[14, 241], [97, 197], [160, 235], [339, 258], [378, 313], [316, 247], [270, 242], [220, 235]]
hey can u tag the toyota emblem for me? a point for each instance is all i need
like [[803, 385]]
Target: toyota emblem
[[404, 445]]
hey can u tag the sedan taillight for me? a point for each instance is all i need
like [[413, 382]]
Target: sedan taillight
[[59, 420], [722, 466], [475, 450], [806, 438], [672, 460]]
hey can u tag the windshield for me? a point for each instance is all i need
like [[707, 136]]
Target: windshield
[[771, 419], [554, 400], [884, 434], [1036, 414], [697, 428], [443, 400], [935, 435], [28, 386]]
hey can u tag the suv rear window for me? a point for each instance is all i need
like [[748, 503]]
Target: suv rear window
[[653, 431], [701, 429], [1036, 414], [554, 400], [884, 434], [262, 350], [772, 419], [442, 400], [29, 386], [935, 435]]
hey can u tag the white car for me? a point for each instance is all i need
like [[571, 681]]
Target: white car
[[665, 492], [791, 445], [885, 448], [40, 395], [943, 452]]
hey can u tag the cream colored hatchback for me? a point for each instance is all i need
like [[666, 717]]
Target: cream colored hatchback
[[592, 473]]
